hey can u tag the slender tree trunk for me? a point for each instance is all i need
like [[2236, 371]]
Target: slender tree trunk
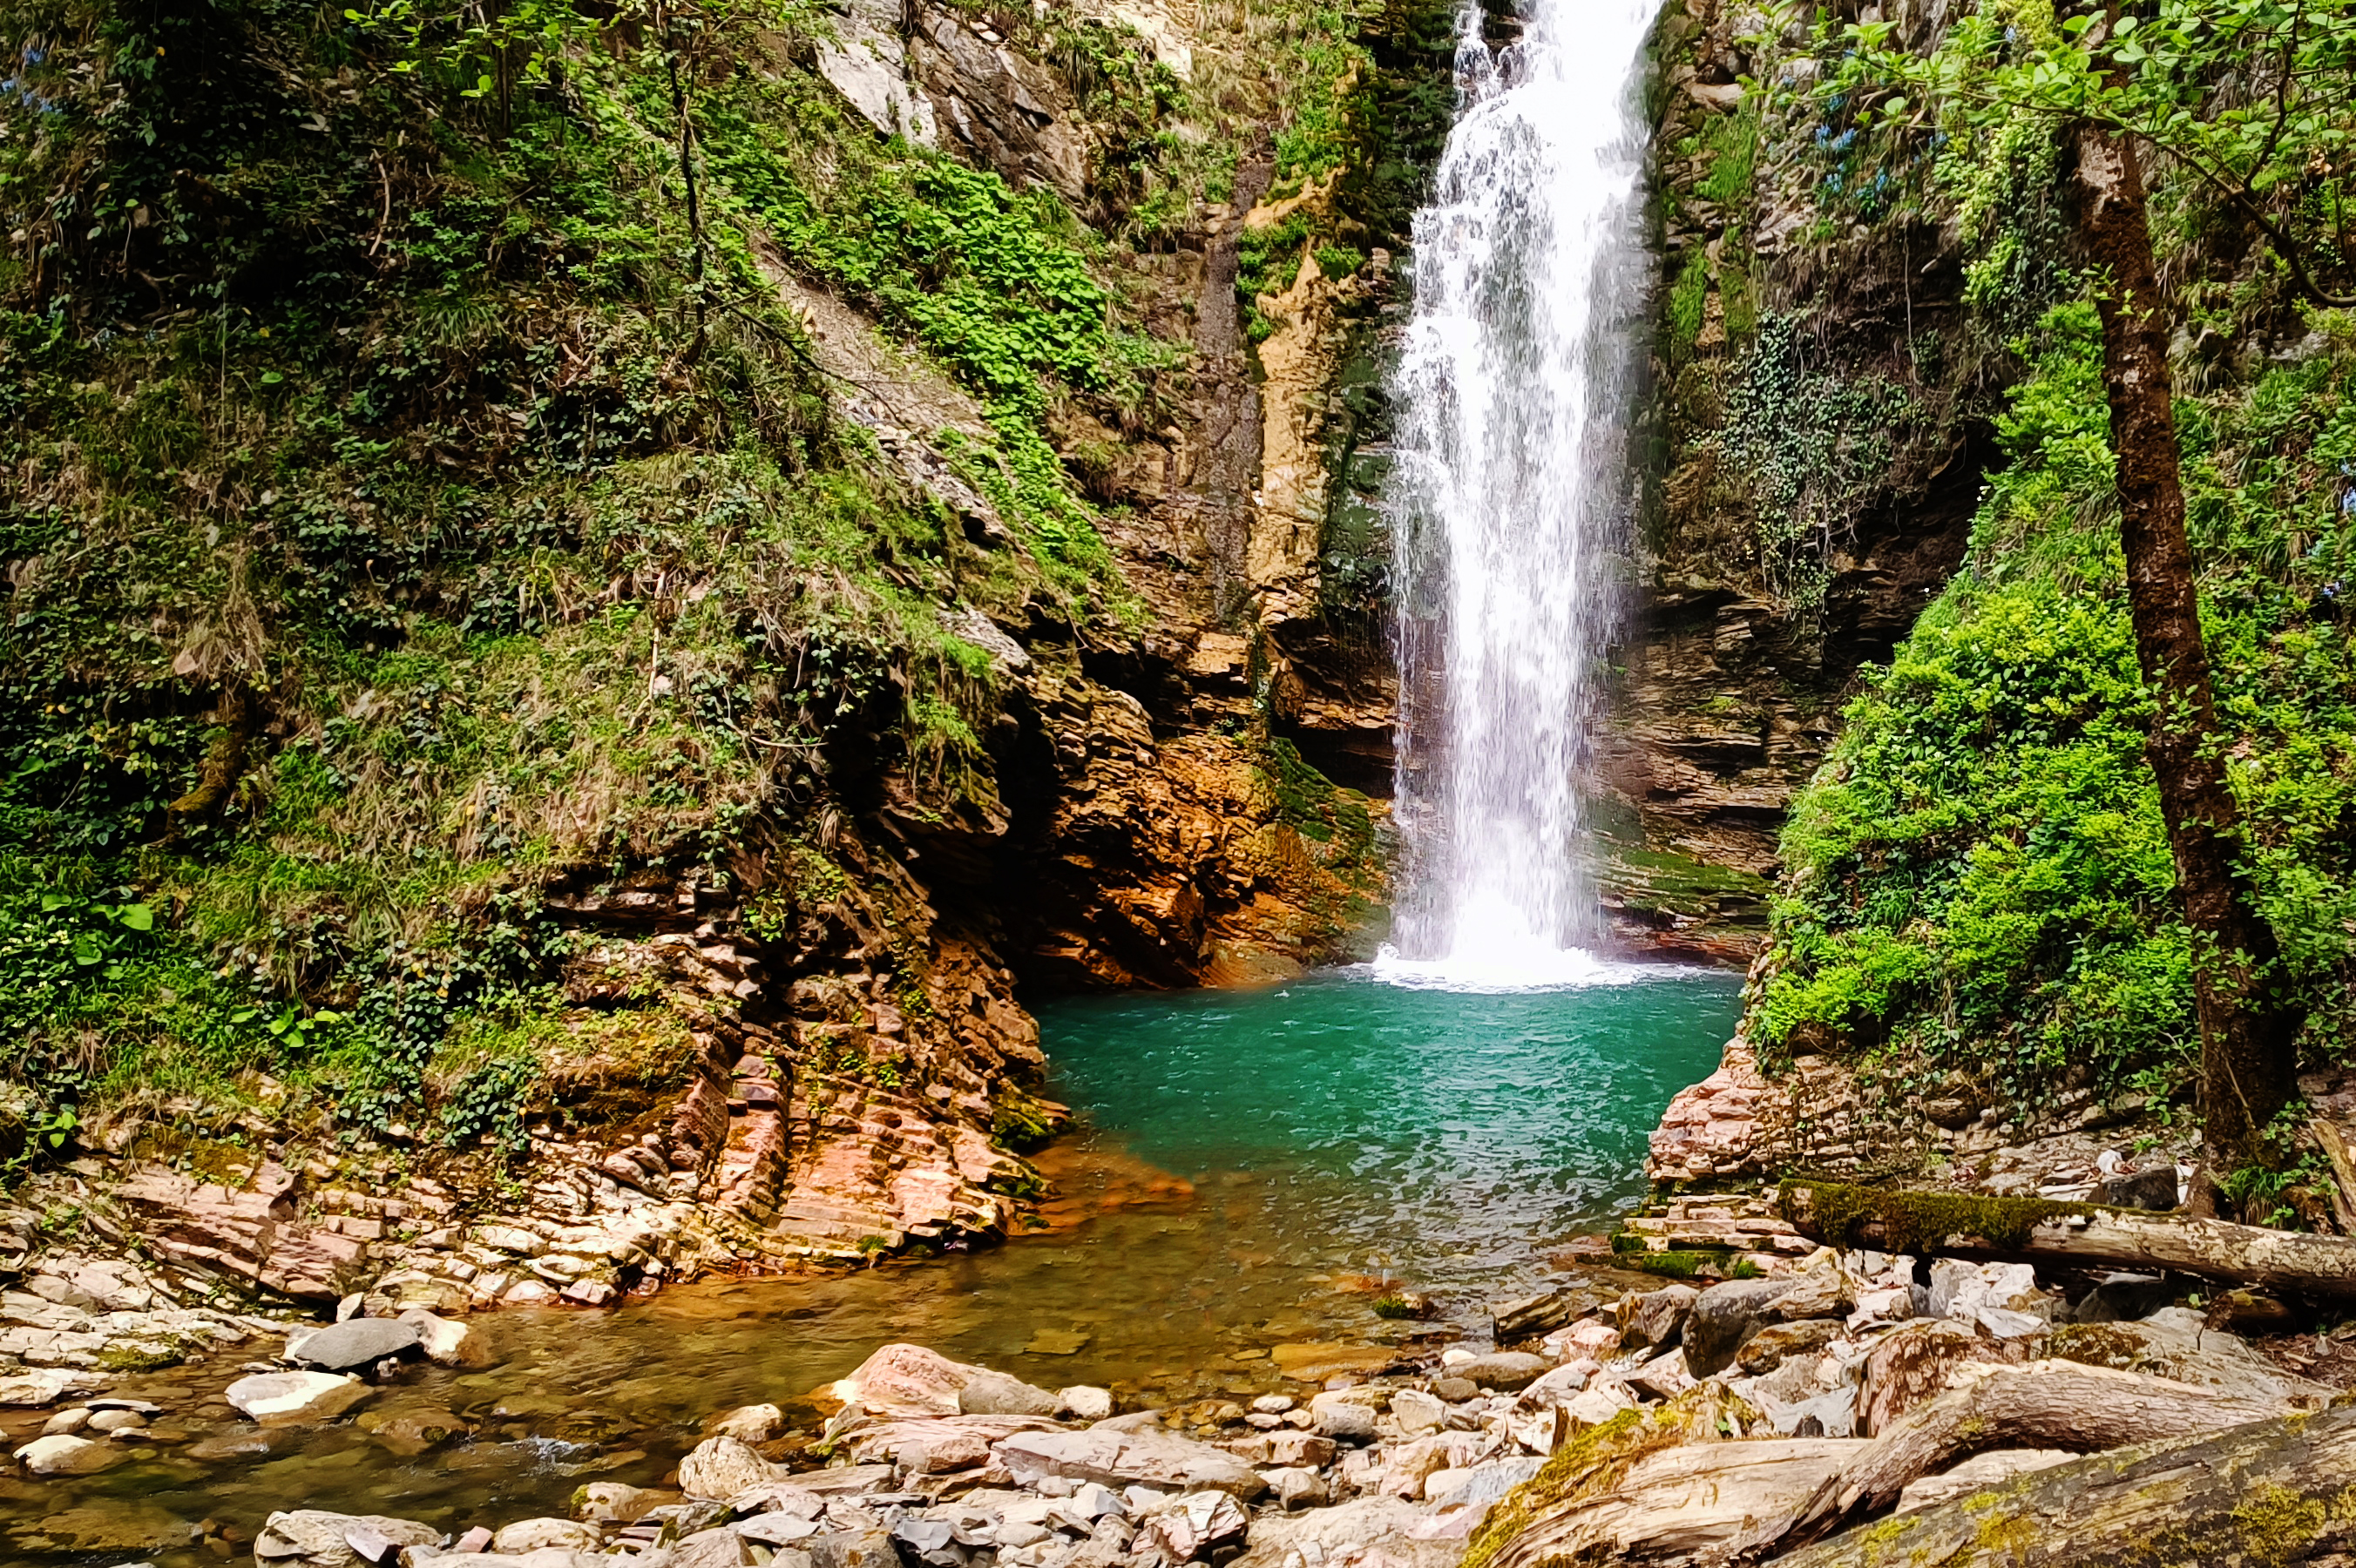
[[2248, 1063]]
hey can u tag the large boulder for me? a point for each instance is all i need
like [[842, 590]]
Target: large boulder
[[908, 1379], [721, 1467], [283, 1399], [314, 1537], [1723, 1317], [359, 1342], [1164, 1461]]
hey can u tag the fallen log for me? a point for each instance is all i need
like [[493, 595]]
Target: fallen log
[[2045, 1404], [2035, 1230], [2270, 1493]]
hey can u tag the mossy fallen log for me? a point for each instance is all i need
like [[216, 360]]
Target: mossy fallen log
[[2269, 1494], [2039, 1231], [2045, 1404]]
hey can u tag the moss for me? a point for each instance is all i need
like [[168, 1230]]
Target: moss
[[1595, 1461], [1912, 1219]]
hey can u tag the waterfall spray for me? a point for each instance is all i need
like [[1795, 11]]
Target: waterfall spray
[[1510, 499]]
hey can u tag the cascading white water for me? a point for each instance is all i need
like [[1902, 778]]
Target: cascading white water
[[1510, 495]]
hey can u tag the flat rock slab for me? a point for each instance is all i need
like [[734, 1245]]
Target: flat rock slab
[[360, 1342], [314, 1537], [1160, 1460], [277, 1399], [1316, 1363]]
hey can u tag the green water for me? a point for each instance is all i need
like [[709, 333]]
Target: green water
[[1446, 1135], [1330, 1129]]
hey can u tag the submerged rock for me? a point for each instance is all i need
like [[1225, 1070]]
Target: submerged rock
[[275, 1399], [65, 1455]]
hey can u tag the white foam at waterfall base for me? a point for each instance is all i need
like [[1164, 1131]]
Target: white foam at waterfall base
[[1511, 500], [1526, 969]]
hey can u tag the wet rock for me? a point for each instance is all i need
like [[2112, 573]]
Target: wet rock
[[1977, 1474], [1344, 1419], [313, 1538], [611, 1502], [908, 1379], [721, 1467], [1656, 1318], [1417, 1413], [1298, 1487], [1082, 1402], [1510, 1371], [64, 1454], [1201, 1527], [116, 1421], [446, 1342], [531, 1534], [276, 1399], [108, 1525], [1111, 1458], [1721, 1317], [360, 1342], [748, 1423], [66, 1423], [409, 1433], [1768, 1348]]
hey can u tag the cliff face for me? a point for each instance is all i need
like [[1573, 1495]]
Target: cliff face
[[602, 603]]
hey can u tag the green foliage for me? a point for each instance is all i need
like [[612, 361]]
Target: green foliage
[[1339, 260], [1732, 140], [1688, 301], [1980, 873], [1812, 443]]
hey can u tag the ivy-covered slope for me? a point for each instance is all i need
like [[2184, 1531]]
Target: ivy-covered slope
[[426, 492]]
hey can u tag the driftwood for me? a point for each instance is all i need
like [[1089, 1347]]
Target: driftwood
[[2272, 1494], [1678, 1506], [2035, 1231], [2045, 1404]]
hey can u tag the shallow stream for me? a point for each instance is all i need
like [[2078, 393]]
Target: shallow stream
[[1256, 1169]]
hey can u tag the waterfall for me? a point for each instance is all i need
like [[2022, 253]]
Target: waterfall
[[1510, 497]]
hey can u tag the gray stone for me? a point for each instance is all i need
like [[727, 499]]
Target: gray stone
[[2122, 1297], [1656, 1318], [1417, 1411], [989, 1392], [531, 1534], [748, 1423], [1723, 1317], [721, 1467], [1341, 1418], [1298, 1487], [314, 1537], [1456, 1389], [1083, 1403], [711, 1549], [1162, 1461], [360, 1342], [1509, 1371]]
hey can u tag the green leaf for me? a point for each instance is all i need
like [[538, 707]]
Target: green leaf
[[137, 917]]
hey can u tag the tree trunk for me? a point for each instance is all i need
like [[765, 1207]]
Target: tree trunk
[[2248, 1063], [2030, 1230], [2266, 1494], [2046, 1404]]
